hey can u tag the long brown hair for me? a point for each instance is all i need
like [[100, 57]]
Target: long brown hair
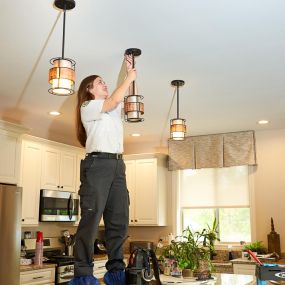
[[83, 95]]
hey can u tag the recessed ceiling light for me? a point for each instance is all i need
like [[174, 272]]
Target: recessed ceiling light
[[135, 135], [263, 122], [54, 113]]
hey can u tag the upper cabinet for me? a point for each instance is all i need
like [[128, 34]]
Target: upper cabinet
[[10, 149], [146, 181], [30, 181], [58, 169], [46, 165]]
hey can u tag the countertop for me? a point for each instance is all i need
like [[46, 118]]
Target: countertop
[[251, 261], [219, 279], [36, 267]]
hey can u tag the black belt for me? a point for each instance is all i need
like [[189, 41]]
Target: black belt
[[106, 155]]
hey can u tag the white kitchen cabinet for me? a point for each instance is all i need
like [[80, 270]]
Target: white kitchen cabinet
[[30, 181], [10, 151], [58, 169], [44, 276], [246, 269], [146, 182], [99, 268]]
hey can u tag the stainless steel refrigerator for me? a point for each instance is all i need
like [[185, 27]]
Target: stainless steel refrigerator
[[10, 234]]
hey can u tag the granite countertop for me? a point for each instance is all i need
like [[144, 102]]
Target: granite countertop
[[251, 261], [219, 279], [36, 267]]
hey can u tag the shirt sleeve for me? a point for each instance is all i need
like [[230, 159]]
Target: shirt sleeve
[[91, 110]]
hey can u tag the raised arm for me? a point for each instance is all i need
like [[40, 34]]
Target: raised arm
[[118, 95]]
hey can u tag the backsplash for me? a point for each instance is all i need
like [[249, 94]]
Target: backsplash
[[224, 254]]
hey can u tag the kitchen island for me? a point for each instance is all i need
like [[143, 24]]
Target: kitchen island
[[218, 279]]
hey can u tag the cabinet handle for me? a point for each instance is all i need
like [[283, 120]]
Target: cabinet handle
[[136, 220], [58, 186], [61, 187], [23, 220], [39, 277], [132, 220]]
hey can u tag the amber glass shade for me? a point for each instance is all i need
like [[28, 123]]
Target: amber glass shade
[[62, 76], [133, 108], [177, 129]]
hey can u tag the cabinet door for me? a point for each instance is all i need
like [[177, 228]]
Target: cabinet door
[[9, 153], [36, 277], [67, 172], [31, 181], [50, 169], [146, 204], [130, 177]]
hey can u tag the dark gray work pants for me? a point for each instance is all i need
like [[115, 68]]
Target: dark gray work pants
[[104, 191]]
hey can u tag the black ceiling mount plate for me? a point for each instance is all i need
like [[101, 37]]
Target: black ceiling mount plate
[[64, 4], [177, 82], [134, 51]]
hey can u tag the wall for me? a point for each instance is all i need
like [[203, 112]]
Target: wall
[[269, 187], [269, 184], [269, 191]]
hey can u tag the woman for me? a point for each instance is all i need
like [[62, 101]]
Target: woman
[[103, 189]]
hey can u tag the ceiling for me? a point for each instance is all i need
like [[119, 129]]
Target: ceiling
[[230, 53]]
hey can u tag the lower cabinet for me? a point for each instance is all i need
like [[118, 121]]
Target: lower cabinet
[[36, 277], [246, 269], [99, 268]]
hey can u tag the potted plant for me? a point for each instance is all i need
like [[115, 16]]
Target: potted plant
[[191, 251], [256, 247]]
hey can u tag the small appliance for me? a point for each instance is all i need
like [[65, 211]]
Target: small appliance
[[58, 206]]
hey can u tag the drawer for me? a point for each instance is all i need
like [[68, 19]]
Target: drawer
[[36, 277]]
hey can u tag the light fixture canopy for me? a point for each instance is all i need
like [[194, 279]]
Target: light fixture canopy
[[62, 73], [133, 105], [177, 125]]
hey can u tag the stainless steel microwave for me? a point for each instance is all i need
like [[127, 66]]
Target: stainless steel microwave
[[58, 206]]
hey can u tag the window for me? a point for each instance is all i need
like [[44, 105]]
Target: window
[[217, 192]]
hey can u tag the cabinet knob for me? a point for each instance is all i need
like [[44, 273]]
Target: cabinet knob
[[136, 220], [132, 220], [58, 186], [61, 187], [23, 220]]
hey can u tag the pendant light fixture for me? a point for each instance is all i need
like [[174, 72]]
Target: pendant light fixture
[[133, 105], [62, 74], [177, 125]]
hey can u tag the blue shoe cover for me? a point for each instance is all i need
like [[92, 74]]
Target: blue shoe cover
[[84, 280], [115, 278]]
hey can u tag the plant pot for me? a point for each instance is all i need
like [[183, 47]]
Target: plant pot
[[187, 273]]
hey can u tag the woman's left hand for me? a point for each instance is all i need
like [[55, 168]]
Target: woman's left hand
[[129, 62]]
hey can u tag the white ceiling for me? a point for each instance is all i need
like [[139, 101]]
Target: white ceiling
[[231, 54]]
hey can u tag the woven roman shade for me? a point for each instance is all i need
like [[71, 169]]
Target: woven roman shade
[[212, 151]]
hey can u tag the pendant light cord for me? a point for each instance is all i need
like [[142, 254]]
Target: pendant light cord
[[167, 119], [177, 101], [63, 33], [133, 83]]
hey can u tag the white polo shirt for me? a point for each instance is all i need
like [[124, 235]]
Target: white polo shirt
[[104, 130]]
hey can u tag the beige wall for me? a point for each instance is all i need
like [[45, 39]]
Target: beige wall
[[269, 191], [269, 184]]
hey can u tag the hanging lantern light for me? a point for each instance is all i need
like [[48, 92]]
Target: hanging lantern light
[[133, 105], [177, 125], [62, 74]]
